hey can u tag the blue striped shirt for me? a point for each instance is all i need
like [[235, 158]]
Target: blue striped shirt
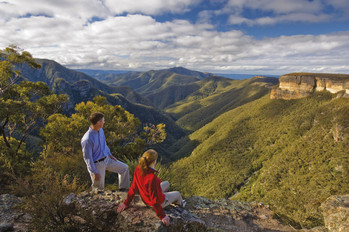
[[94, 147]]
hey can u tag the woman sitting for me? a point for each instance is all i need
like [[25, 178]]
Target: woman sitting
[[153, 192]]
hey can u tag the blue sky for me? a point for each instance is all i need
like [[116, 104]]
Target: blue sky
[[222, 36]]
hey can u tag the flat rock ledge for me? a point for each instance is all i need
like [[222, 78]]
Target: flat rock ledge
[[235, 216], [97, 212]]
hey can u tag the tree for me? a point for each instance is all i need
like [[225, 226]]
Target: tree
[[123, 134], [10, 57], [25, 106]]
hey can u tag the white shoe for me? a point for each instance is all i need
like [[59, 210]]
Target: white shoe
[[184, 203]]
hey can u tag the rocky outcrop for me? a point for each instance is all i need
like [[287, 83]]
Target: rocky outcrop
[[336, 213], [97, 212], [83, 87], [235, 216], [299, 85], [12, 218], [335, 210]]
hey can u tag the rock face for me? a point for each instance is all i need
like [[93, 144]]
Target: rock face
[[235, 216], [83, 87], [200, 214], [299, 85], [12, 218], [336, 213], [97, 212]]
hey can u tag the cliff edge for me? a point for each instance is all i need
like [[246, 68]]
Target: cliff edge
[[299, 85], [91, 212]]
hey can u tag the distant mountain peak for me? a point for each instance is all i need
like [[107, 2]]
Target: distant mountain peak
[[184, 71], [180, 69]]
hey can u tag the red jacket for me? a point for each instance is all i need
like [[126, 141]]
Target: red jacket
[[148, 185]]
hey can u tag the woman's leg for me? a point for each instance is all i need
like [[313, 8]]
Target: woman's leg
[[165, 186], [172, 197]]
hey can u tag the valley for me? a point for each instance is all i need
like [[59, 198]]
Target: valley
[[245, 140]]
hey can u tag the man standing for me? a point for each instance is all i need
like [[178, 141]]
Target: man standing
[[98, 158]]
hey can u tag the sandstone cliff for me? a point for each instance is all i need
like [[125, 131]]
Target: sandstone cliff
[[299, 85]]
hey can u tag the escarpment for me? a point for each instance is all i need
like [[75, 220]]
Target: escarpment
[[299, 85]]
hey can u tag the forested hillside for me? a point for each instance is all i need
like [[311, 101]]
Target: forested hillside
[[193, 100], [189, 97], [56, 75], [291, 154], [152, 81], [215, 96], [81, 88]]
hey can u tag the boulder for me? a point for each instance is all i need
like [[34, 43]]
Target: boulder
[[336, 213]]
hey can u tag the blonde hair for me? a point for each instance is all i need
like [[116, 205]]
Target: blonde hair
[[147, 159]]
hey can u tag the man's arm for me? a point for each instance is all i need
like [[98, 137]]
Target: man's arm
[[108, 152], [87, 154], [107, 148]]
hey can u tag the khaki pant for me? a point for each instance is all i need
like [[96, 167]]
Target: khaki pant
[[170, 197], [112, 166]]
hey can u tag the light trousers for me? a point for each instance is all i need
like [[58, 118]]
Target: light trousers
[[112, 166], [170, 197]]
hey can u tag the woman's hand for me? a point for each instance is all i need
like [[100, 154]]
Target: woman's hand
[[166, 221], [121, 207]]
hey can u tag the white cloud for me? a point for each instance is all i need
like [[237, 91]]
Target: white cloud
[[278, 6], [292, 17], [341, 6], [136, 41], [281, 11], [205, 16], [111, 44], [236, 19], [152, 7], [67, 9]]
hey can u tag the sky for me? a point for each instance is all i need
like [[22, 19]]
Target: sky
[[220, 36]]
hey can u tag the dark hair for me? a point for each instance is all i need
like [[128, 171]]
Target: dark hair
[[95, 117], [147, 159]]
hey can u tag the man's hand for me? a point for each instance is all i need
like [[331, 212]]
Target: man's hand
[[97, 177], [112, 157], [166, 221], [121, 207]]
